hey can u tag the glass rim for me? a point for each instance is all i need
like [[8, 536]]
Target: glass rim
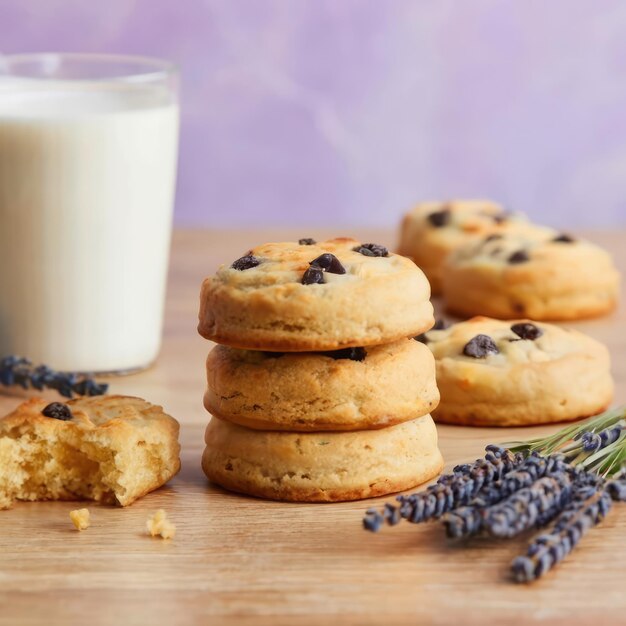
[[156, 68]]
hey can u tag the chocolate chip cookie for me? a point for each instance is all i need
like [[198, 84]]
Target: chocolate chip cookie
[[321, 466], [309, 296], [533, 272], [349, 389], [432, 230], [111, 449], [516, 373]]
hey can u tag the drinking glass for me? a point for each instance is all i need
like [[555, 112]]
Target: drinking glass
[[88, 153]]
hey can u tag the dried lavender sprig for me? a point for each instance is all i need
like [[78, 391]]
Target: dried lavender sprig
[[588, 508], [528, 508], [469, 520], [592, 442], [609, 460], [587, 443], [560, 440], [463, 521], [606, 461], [531, 469], [459, 487], [374, 519], [18, 371], [449, 492], [616, 488]]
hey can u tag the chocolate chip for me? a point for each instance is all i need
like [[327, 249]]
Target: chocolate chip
[[499, 218], [313, 275], [307, 242], [440, 218], [480, 346], [524, 330], [564, 238], [354, 354], [245, 263], [58, 411], [372, 249], [329, 263], [521, 256], [440, 324]]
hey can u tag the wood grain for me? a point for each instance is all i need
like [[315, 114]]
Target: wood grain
[[240, 560]]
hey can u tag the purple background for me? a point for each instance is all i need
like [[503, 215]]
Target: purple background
[[339, 112]]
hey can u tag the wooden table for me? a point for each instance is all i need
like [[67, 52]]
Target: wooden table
[[241, 560]]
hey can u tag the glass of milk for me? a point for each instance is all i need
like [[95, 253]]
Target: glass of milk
[[88, 153]]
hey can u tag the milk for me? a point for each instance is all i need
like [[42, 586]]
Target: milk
[[87, 177]]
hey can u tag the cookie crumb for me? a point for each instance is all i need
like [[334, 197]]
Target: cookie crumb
[[81, 518], [159, 525]]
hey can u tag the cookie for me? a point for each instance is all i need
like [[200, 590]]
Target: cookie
[[297, 297], [532, 272], [321, 467], [350, 389], [432, 230], [518, 373], [111, 449]]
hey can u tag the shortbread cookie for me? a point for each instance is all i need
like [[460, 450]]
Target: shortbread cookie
[[517, 373], [112, 449], [306, 296], [432, 230], [349, 389], [321, 467], [532, 272]]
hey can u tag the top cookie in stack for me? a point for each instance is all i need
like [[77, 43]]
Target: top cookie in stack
[[310, 296]]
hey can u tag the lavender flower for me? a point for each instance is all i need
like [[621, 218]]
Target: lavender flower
[[572, 476], [530, 507], [514, 504], [17, 371], [524, 475], [458, 488], [464, 521], [592, 442], [450, 491], [617, 489], [588, 508], [468, 520], [373, 520]]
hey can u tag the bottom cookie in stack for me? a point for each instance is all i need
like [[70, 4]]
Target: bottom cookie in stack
[[321, 466]]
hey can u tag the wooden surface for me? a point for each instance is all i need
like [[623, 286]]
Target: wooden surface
[[241, 560]]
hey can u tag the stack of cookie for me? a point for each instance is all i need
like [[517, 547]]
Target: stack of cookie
[[318, 391]]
